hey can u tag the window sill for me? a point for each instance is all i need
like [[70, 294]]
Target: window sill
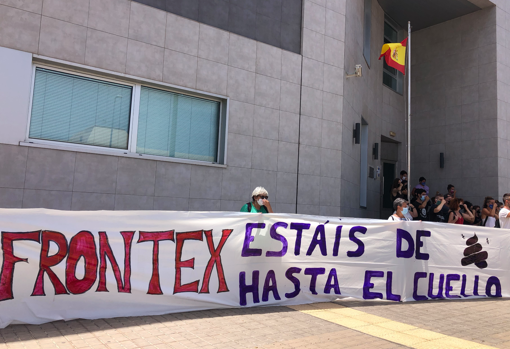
[[112, 152]]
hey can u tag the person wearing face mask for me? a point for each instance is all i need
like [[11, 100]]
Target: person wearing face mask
[[259, 203], [489, 212], [401, 211], [422, 202], [421, 185], [452, 191], [439, 212]]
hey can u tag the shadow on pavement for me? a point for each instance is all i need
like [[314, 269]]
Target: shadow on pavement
[[16, 333]]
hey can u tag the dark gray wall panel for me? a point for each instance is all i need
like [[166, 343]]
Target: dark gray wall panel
[[270, 8], [289, 39], [426, 13], [185, 8], [274, 22], [269, 30], [161, 4], [291, 11], [242, 21], [214, 13]]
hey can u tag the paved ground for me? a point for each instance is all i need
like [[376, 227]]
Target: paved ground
[[343, 324]]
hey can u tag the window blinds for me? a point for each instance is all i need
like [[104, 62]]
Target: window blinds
[[176, 125], [75, 109]]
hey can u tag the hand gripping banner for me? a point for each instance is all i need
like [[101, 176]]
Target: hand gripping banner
[[59, 265]]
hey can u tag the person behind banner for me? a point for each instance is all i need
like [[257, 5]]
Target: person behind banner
[[259, 203], [498, 209], [403, 176], [477, 211], [396, 189], [401, 211], [451, 191], [439, 212], [422, 203], [421, 185], [466, 213], [489, 212], [454, 215], [448, 198], [504, 213], [412, 213]]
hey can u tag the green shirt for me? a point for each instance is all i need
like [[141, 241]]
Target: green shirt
[[263, 209]]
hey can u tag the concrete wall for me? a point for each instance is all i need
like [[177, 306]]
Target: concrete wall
[[366, 97], [503, 96], [456, 108], [321, 110], [262, 82], [288, 113]]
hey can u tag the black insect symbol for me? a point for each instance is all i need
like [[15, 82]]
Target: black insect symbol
[[463, 236], [474, 254], [487, 241]]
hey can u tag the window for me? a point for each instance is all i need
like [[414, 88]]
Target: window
[[132, 118], [392, 77], [175, 125], [367, 31], [74, 109]]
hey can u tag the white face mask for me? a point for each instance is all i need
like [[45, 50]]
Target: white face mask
[[260, 202]]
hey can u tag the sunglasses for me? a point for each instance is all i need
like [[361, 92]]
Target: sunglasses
[[264, 197]]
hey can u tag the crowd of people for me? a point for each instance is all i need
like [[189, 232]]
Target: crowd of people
[[445, 208]]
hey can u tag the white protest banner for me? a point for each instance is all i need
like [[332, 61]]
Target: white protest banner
[[59, 265]]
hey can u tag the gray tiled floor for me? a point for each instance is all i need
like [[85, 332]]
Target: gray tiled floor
[[484, 321], [274, 327]]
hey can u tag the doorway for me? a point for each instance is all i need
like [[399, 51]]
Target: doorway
[[388, 177], [389, 160]]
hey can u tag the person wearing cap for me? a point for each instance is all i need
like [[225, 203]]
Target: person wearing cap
[[259, 203], [421, 185]]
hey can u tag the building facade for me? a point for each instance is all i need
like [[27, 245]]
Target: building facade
[[189, 105]]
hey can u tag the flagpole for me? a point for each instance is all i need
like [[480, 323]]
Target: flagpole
[[409, 112]]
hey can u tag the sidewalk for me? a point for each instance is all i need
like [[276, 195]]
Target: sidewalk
[[343, 324]]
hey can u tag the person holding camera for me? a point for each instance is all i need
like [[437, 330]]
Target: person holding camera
[[476, 216], [489, 212], [477, 212], [422, 203], [454, 215], [396, 189], [439, 212], [466, 213]]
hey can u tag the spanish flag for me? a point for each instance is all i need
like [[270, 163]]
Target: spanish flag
[[395, 55]]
